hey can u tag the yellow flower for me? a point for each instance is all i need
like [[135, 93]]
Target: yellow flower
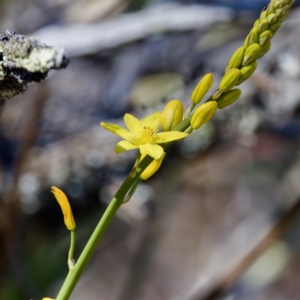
[[48, 299], [143, 135], [152, 168], [65, 207]]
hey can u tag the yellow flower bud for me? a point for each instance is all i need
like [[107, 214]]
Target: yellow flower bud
[[202, 88], [236, 59], [228, 98], [281, 19], [48, 299], [271, 18], [274, 26], [251, 54], [229, 80], [152, 168], [265, 37], [277, 4], [262, 26], [203, 114], [246, 72], [264, 49], [270, 8], [252, 37], [171, 115], [65, 207]]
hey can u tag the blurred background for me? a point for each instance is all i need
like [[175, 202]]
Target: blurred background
[[220, 192]]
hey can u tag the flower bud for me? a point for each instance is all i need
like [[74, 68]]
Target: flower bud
[[203, 114], [270, 8], [281, 19], [278, 4], [281, 11], [48, 299], [274, 26], [202, 88], [251, 54], [264, 49], [152, 168], [228, 98], [171, 115], [236, 59], [265, 37], [246, 72], [229, 80], [262, 26], [271, 18], [252, 37], [65, 207]]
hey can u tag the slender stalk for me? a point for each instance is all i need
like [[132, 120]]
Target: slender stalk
[[71, 250], [75, 273]]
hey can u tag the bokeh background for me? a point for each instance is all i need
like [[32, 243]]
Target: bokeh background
[[190, 228]]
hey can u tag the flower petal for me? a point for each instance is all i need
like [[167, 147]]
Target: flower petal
[[118, 130], [132, 123], [153, 150], [151, 121], [124, 146], [169, 136]]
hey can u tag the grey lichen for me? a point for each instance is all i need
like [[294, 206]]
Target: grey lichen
[[24, 60]]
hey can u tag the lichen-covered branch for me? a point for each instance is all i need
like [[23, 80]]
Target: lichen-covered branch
[[24, 60]]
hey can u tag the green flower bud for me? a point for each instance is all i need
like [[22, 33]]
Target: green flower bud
[[274, 26], [228, 98], [229, 80], [282, 18], [263, 14], [278, 4], [264, 49], [263, 25], [270, 8], [251, 54], [236, 59], [265, 37], [252, 37], [202, 88], [203, 114], [246, 72], [256, 23], [281, 11], [271, 18], [171, 115]]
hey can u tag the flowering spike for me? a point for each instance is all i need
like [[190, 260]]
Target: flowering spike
[[152, 168], [65, 207], [236, 59], [203, 114], [202, 88], [228, 98], [171, 115]]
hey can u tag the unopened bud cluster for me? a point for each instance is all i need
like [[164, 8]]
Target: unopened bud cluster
[[243, 62]]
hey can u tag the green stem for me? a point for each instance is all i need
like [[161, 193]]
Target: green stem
[[71, 250], [75, 273]]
